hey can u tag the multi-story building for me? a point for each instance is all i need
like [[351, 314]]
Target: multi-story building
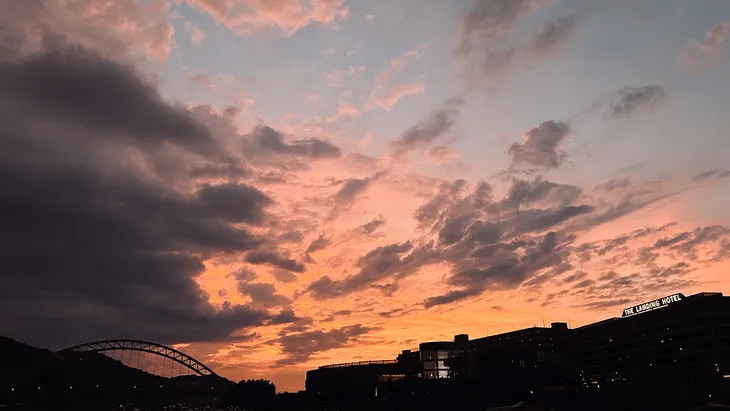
[[675, 337], [437, 358]]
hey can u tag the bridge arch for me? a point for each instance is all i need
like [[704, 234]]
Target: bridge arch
[[146, 347]]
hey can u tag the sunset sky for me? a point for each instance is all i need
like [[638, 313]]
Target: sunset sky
[[274, 185]]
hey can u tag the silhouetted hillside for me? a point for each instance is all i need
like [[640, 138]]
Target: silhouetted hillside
[[34, 377]]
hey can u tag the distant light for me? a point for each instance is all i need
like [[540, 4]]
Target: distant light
[[12, 389], [70, 388]]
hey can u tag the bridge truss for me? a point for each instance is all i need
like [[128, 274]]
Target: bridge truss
[[144, 347]]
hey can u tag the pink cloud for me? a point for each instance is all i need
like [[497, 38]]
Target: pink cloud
[[396, 65], [345, 110], [247, 16], [337, 78], [112, 27], [366, 140], [710, 49], [196, 35], [398, 92]]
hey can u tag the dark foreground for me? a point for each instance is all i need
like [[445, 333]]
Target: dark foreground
[[35, 379]]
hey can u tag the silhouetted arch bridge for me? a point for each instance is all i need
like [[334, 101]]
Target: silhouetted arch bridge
[[150, 351]]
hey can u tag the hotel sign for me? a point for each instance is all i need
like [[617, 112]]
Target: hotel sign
[[653, 305]]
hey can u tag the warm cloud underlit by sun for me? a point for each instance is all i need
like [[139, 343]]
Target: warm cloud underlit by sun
[[278, 186]]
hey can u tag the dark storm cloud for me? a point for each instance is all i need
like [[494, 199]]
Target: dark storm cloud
[[518, 254], [609, 275], [451, 297], [297, 327], [283, 276], [553, 36], [701, 237], [275, 260], [396, 312], [711, 174], [91, 247], [226, 171], [319, 243], [666, 242], [449, 191], [236, 203], [489, 20], [454, 229], [351, 189], [489, 243], [630, 100], [70, 84], [371, 226], [688, 244], [665, 265], [113, 256], [339, 313], [426, 131], [541, 146], [300, 347], [606, 246], [291, 237], [523, 192], [540, 220], [263, 294], [285, 316], [244, 275], [507, 270], [578, 275], [676, 269], [584, 283], [378, 264], [349, 192], [264, 145]]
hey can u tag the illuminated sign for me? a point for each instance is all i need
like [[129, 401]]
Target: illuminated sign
[[653, 305]]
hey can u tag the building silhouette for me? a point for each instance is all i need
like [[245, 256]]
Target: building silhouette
[[674, 341]]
